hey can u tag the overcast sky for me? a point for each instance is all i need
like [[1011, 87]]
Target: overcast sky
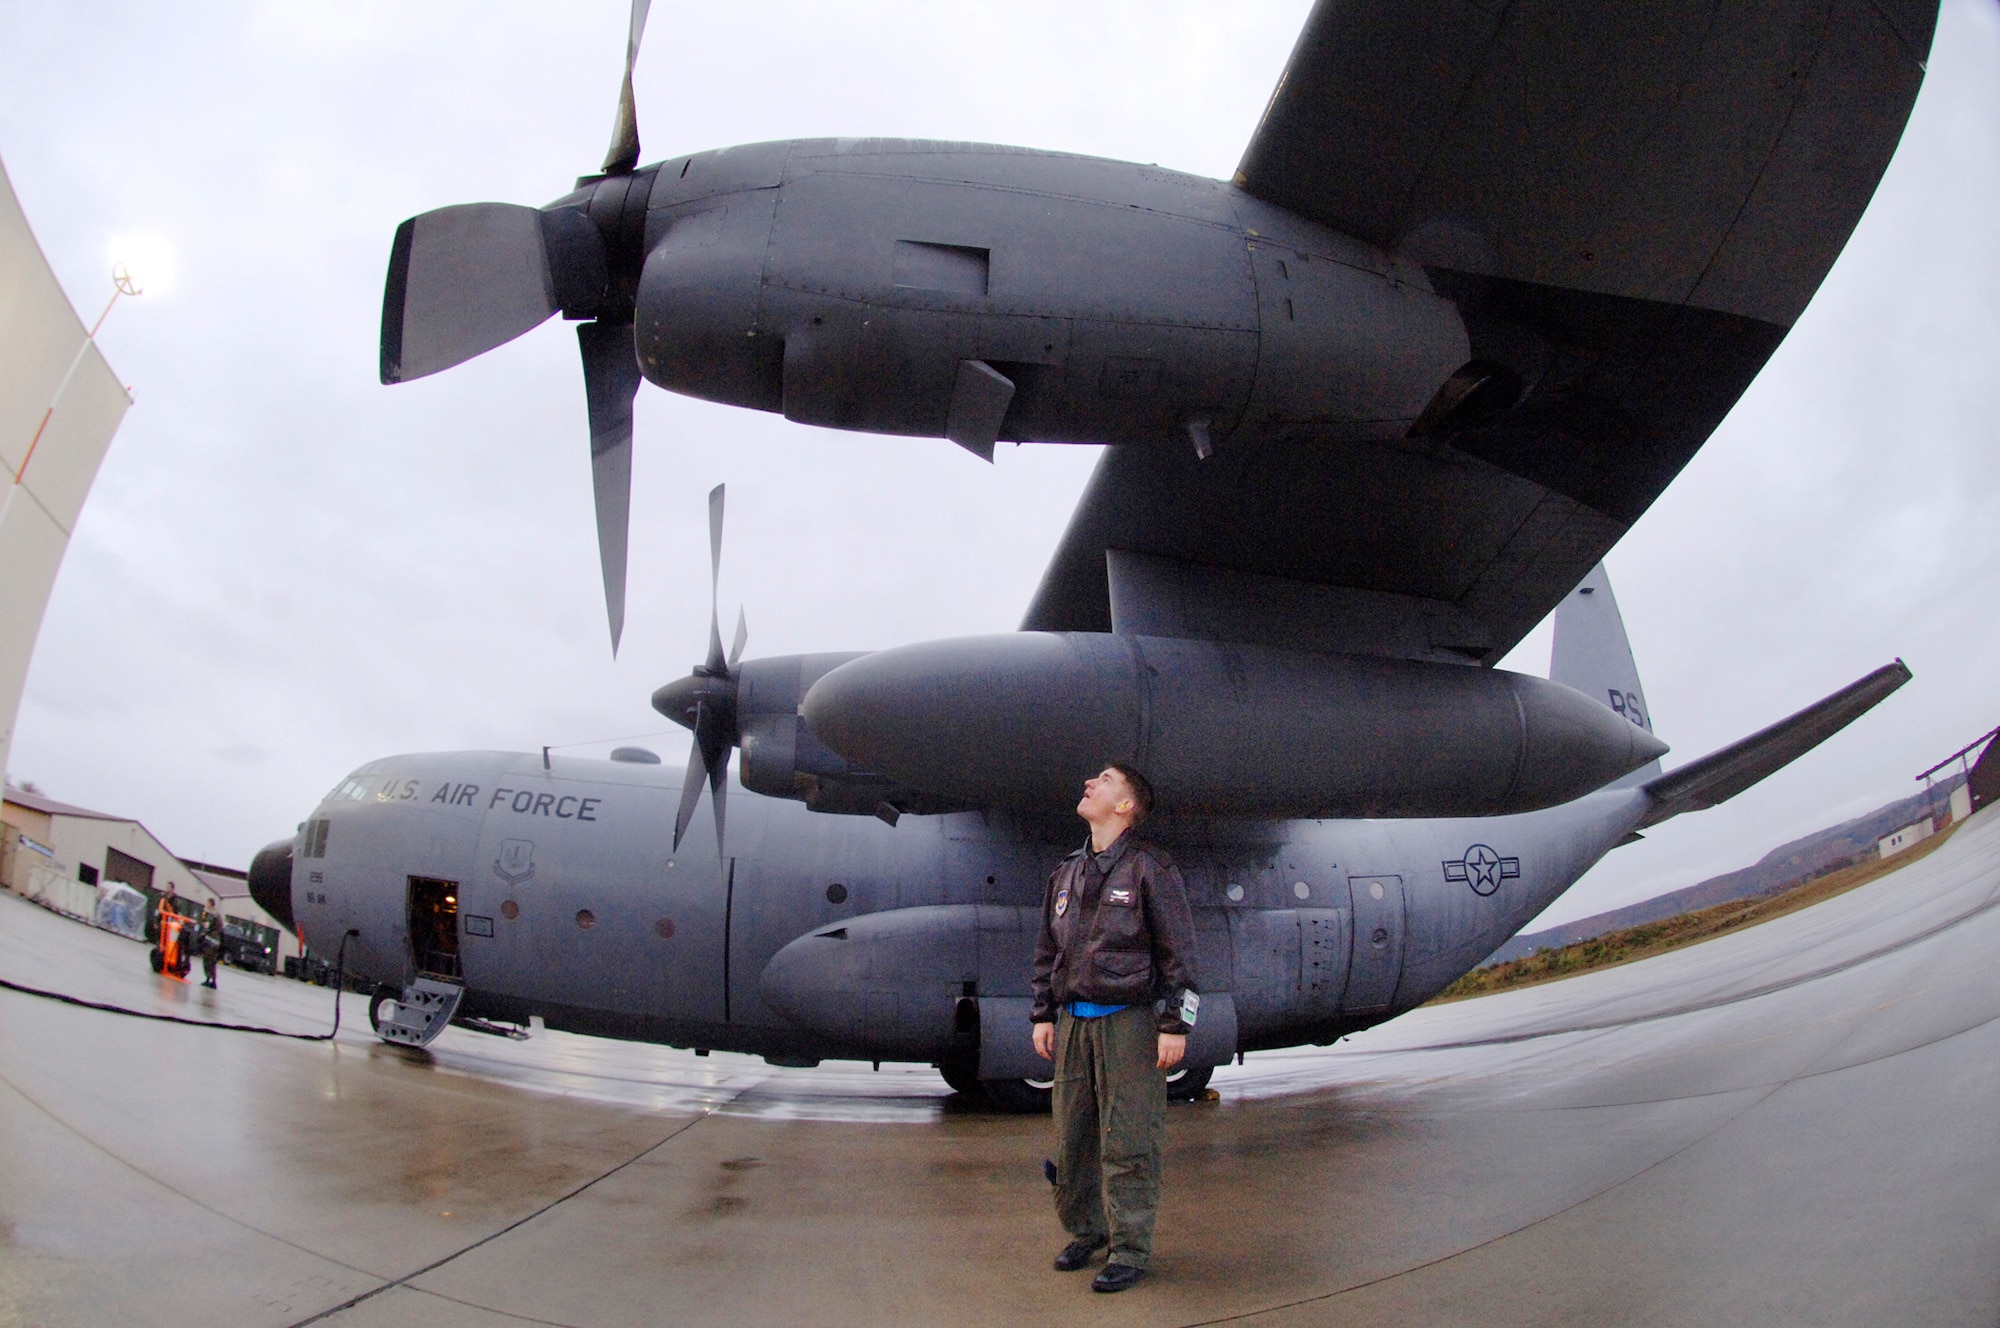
[[287, 569]]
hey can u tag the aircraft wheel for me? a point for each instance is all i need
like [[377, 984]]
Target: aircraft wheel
[[1189, 1083], [1020, 1097], [961, 1072], [159, 960], [381, 1006]]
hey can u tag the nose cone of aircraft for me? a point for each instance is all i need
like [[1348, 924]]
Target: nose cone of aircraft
[[271, 882]]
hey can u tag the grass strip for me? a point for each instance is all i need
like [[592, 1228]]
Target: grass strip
[[1650, 938]]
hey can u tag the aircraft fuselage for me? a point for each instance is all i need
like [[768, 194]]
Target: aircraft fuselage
[[844, 937]]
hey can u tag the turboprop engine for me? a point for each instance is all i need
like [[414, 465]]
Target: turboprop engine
[[1221, 728]]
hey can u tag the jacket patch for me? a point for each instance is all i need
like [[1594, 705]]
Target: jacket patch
[[1121, 895], [1062, 901]]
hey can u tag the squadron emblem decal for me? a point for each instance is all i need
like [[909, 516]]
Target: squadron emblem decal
[[1482, 869], [516, 862]]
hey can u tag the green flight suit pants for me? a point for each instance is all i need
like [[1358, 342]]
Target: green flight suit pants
[[1111, 1115]]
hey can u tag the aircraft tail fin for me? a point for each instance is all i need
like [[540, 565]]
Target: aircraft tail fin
[[1723, 774], [1592, 654]]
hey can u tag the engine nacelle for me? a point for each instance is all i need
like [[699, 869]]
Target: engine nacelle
[[855, 283], [780, 756], [1225, 729]]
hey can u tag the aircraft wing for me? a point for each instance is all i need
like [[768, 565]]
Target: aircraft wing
[[1630, 201], [1712, 153]]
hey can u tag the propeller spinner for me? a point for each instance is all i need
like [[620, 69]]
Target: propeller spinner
[[465, 279], [705, 700]]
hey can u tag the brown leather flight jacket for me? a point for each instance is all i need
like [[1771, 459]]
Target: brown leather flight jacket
[[1123, 936]]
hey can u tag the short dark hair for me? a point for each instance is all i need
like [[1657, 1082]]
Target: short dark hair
[[1142, 789]]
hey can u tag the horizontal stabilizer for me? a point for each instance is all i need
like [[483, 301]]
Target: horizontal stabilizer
[[1722, 775]]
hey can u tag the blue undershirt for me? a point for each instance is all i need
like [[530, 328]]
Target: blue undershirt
[[1092, 1010]]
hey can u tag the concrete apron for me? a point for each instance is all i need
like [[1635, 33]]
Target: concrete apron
[[1792, 1123]]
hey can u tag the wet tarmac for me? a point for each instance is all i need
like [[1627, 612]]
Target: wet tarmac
[[1799, 1123]]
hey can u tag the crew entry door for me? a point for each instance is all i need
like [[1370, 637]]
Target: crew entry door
[[434, 926], [1377, 960]]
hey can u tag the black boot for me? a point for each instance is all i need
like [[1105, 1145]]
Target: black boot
[[1077, 1253]]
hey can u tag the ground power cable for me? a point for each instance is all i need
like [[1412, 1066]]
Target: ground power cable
[[339, 989]]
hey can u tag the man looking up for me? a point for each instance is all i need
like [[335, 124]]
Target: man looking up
[[1114, 999]]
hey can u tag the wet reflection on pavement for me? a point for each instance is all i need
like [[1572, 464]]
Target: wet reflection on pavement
[[1790, 1123]]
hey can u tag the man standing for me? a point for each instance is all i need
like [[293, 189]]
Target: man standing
[[211, 948], [1114, 1000]]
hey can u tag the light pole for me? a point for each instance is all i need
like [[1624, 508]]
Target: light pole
[[123, 283]]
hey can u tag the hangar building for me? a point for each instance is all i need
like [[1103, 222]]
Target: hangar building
[[64, 857]]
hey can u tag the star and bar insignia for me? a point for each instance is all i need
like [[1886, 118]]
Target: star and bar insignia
[[1482, 869]]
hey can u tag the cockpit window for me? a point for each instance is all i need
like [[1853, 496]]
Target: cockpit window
[[348, 790]]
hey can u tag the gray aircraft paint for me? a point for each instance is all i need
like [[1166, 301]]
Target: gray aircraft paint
[[1389, 392], [1592, 654], [840, 936], [1481, 329], [1123, 303], [921, 928], [817, 936], [1219, 727]]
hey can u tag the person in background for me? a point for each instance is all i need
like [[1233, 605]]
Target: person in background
[[211, 948]]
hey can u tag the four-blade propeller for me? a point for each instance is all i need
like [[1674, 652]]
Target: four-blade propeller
[[467, 278], [705, 700]]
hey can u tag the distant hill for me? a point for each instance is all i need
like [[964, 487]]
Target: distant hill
[[1790, 864]]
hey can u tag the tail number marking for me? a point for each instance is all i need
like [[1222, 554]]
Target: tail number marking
[[1627, 704]]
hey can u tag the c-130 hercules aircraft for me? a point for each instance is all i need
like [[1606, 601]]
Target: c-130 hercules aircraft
[[1485, 280]]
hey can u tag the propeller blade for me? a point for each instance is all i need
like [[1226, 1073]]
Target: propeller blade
[[718, 793], [690, 786], [624, 153], [462, 280], [742, 637], [610, 381], [716, 664]]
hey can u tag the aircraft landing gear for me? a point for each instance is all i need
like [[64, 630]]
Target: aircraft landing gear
[[1027, 1097], [961, 1071], [1020, 1097], [1188, 1083], [1030, 1096]]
